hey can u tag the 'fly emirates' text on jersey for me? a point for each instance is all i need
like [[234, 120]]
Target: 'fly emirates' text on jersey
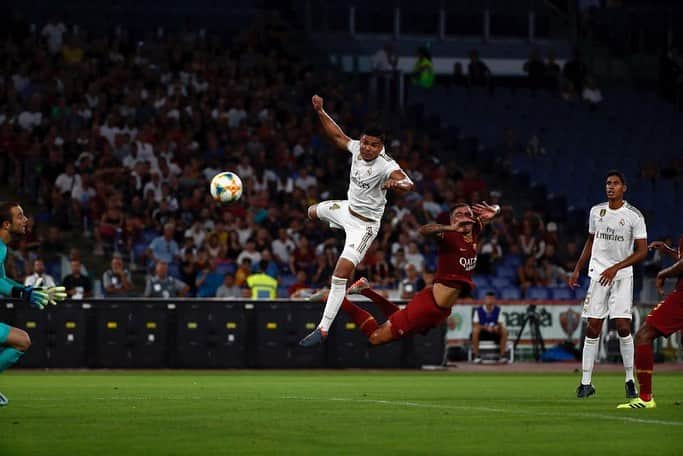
[[614, 233], [366, 195], [457, 258]]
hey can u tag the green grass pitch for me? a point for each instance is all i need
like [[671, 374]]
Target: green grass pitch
[[330, 412]]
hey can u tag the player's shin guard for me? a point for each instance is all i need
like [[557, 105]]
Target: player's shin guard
[[334, 300], [644, 366], [627, 350], [386, 306], [8, 357], [590, 351], [365, 322]]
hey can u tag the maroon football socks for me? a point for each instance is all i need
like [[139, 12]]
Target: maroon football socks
[[644, 366]]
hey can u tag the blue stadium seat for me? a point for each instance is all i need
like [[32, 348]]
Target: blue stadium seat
[[224, 269], [501, 282], [287, 280], [505, 271], [481, 281], [481, 292], [562, 293], [580, 293], [510, 293], [537, 293]]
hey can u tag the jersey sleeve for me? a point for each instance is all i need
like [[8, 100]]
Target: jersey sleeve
[[353, 147], [639, 228], [392, 165], [591, 221]]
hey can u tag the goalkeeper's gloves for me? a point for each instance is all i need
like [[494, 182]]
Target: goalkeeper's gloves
[[37, 297], [54, 294]]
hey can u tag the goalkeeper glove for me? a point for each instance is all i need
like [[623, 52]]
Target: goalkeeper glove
[[34, 296], [55, 294]]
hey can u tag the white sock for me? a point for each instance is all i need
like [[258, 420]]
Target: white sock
[[590, 350], [627, 351], [334, 302]]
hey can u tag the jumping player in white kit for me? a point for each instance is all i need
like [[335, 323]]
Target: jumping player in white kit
[[614, 227], [373, 172]]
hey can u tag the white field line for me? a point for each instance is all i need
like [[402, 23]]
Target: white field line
[[488, 409]]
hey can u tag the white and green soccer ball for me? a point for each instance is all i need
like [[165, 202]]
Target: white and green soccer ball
[[226, 187]]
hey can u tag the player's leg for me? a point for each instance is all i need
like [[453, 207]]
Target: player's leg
[[595, 310], [13, 343], [362, 287], [665, 319], [620, 305], [362, 318], [503, 342], [476, 332]]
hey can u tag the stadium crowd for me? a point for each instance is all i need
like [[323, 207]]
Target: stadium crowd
[[111, 142]]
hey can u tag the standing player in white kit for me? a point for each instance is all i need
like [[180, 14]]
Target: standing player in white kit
[[373, 172], [614, 228]]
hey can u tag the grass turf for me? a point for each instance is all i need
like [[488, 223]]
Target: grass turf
[[330, 412]]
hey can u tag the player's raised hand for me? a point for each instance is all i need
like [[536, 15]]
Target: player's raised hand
[[485, 211], [317, 101]]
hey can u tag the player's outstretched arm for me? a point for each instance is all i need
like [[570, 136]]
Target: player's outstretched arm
[[399, 182], [675, 270], [333, 132], [437, 229], [573, 280], [663, 248]]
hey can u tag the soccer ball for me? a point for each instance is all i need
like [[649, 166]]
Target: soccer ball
[[226, 187]]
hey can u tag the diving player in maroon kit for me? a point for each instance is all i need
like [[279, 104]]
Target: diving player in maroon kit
[[453, 279], [665, 319]]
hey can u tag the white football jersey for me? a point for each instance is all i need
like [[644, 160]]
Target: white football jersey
[[366, 195], [614, 233]]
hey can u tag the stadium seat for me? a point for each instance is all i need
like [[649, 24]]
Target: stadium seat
[[224, 269], [287, 280], [501, 282], [537, 293], [580, 293], [510, 293], [504, 271], [481, 281], [562, 293], [481, 292]]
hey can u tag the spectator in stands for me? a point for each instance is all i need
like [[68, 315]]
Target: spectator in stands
[[161, 285], [228, 289], [478, 72], [535, 70], [117, 281], [529, 274], [553, 72], [271, 266], [77, 286], [575, 72], [411, 283], [243, 271], [423, 71], [39, 276], [490, 253], [325, 264], [164, 248], [381, 274], [250, 252], [487, 324], [385, 59], [282, 247], [415, 257], [591, 94], [302, 258], [262, 285], [301, 287]]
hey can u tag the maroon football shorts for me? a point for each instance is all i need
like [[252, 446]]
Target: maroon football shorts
[[419, 315], [667, 317]]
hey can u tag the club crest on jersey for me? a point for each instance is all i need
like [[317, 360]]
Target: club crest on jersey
[[621, 222], [334, 206], [603, 212]]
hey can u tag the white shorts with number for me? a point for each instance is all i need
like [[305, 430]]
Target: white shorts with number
[[614, 300], [359, 234]]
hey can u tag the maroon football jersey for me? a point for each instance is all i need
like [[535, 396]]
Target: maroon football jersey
[[457, 258]]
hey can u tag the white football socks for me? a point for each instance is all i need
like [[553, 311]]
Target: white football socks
[[334, 302], [627, 351], [590, 351]]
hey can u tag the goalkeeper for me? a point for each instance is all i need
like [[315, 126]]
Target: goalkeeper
[[13, 341]]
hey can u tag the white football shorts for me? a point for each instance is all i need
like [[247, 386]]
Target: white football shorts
[[614, 300], [359, 233]]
